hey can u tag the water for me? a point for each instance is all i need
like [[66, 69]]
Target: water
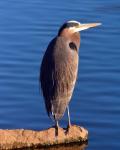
[[26, 27]]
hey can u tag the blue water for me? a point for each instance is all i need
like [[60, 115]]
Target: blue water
[[26, 28]]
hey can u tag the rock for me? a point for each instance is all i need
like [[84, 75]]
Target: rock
[[20, 138]]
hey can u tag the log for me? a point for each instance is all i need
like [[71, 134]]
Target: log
[[20, 138]]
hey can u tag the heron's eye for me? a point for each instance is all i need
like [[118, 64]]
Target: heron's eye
[[72, 24], [73, 46]]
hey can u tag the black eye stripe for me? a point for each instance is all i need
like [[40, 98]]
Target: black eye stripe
[[72, 24], [68, 25]]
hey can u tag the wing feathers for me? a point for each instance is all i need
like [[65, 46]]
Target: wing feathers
[[58, 76]]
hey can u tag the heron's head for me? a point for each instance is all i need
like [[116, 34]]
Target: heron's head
[[75, 26], [70, 31]]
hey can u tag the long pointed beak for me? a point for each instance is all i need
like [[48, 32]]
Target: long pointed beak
[[86, 26]]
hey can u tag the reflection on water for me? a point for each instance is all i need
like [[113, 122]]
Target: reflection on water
[[109, 8], [67, 147]]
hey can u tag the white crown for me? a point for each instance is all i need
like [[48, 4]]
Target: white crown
[[73, 21]]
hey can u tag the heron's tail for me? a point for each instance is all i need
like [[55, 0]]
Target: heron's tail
[[58, 109]]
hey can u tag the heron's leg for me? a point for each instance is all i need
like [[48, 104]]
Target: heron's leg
[[68, 112], [56, 124], [56, 127]]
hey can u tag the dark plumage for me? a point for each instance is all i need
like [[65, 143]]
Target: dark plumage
[[59, 69], [58, 75]]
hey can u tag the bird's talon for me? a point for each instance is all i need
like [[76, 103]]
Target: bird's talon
[[68, 128]]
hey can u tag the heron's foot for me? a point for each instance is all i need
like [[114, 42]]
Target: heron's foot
[[68, 128]]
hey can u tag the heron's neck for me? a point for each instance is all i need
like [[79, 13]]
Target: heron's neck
[[75, 38], [71, 37]]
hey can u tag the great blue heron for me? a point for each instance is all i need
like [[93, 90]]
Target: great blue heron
[[59, 69]]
